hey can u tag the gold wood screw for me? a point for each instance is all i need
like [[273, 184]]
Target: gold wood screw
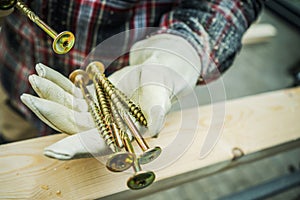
[[140, 179], [133, 108], [149, 154], [63, 42], [80, 79], [96, 69], [103, 102], [119, 121], [106, 110], [119, 161], [116, 162]]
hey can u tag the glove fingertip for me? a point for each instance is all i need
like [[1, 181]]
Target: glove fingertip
[[35, 105], [31, 79], [40, 69], [34, 82], [31, 101], [156, 120], [25, 98], [57, 78]]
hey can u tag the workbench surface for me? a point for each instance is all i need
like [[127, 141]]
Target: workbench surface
[[251, 124]]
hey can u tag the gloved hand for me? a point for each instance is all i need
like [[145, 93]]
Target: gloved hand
[[161, 67], [62, 107]]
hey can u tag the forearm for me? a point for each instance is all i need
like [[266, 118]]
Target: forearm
[[215, 28]]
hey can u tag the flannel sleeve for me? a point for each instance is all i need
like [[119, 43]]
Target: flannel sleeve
[[215, 28]]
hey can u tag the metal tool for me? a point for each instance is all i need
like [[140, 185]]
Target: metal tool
[[106, 110], [63, 42], [111, 115], [134, 109], [119, 161], [95, 70], [140, 179], [149, 154]]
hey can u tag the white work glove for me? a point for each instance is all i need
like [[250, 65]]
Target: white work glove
[[162, 66], [62, 107]]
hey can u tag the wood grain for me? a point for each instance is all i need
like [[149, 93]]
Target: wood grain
[[252, 124]]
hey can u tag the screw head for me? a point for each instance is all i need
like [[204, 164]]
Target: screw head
[[79, 75], [94, 68], [141, 180], [63, 42], [119, 161], [149, 155]]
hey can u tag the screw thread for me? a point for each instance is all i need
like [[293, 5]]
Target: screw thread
[[103, 103], [103, 81], [119, 121], [103, 127], [134, 109], [80, 79], [62, 43], [25, 10]]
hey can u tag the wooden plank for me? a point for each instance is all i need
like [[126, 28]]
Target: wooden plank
[[251, 124]]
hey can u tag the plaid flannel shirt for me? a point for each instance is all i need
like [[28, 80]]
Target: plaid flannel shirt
[[213, 27]]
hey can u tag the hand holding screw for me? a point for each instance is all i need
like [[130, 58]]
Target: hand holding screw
[[95, 71]]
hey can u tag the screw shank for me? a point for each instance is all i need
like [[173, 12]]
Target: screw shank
[[140, 140], [33, 17]]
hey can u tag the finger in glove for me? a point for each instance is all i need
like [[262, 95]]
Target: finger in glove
[[58, 116], [56, 77], [47, 89]]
